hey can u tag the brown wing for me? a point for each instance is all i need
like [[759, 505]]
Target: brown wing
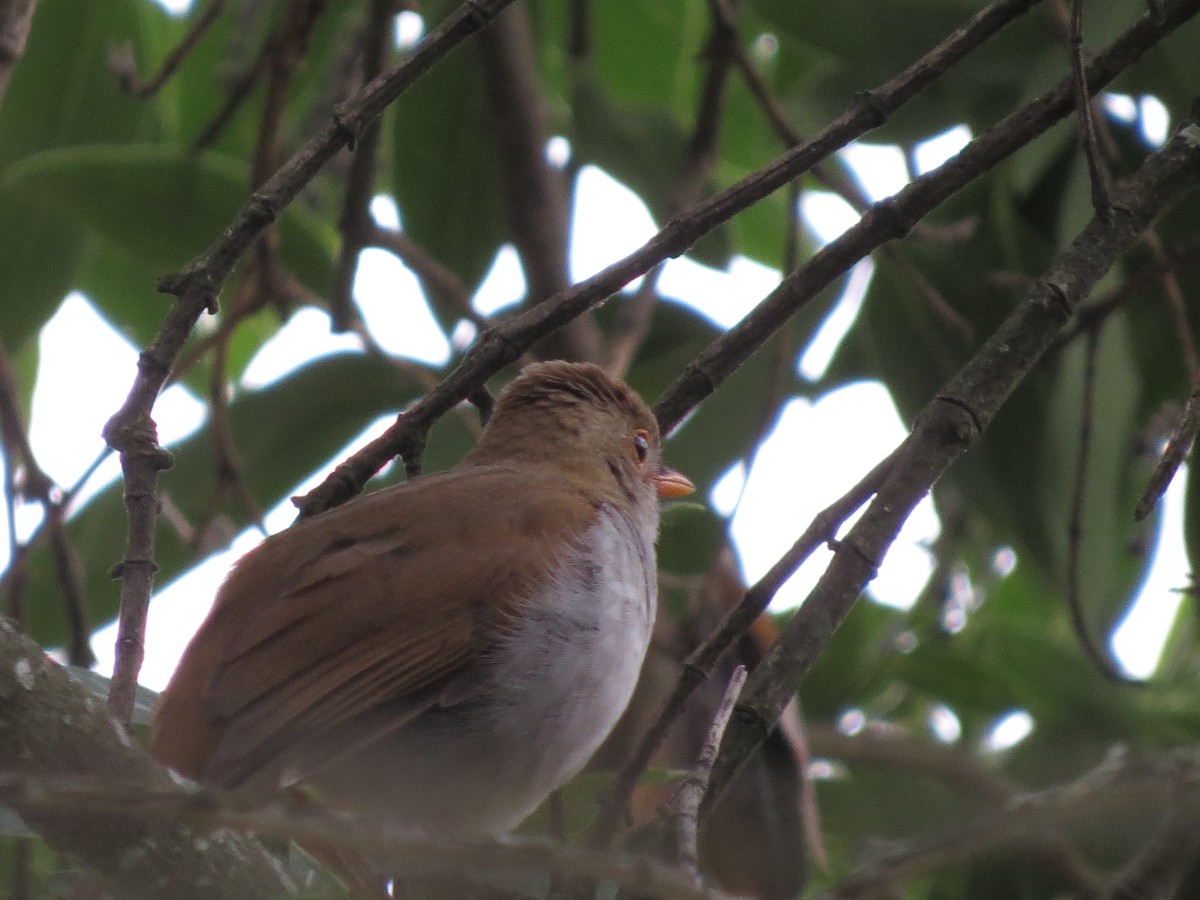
[[347, 625]]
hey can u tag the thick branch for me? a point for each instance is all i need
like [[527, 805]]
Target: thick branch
[[51, 726]]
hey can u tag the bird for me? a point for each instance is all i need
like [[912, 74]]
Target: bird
[[443, 654]]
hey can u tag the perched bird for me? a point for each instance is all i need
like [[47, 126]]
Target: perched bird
[[443, 654]]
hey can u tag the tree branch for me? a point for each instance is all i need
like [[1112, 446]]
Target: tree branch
[[506, 341], [952, 422], [893, 217], [50, 726]]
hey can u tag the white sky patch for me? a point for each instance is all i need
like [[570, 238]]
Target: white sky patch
[[610, 222], [724, 297], [503, 285], [1121, 106], [931, 153], [558, 151], [880, 168], [944, 724], [827, 215], [394, 308], [175, 7], [385, 213], [1138, 640], [1156, 121], [1009, 730], [308, 328], [410, 28], [796, 476], [728, 490]]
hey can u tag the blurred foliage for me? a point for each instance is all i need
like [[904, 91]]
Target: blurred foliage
[[103, 192]]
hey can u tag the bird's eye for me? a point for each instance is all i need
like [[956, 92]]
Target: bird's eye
[[641, 445]]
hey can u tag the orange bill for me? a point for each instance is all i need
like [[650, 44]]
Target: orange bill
[[669, 483]]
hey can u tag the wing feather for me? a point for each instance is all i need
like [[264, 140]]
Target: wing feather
[[351, 623]]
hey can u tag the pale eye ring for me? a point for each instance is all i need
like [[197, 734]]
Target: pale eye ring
[[641, 445]]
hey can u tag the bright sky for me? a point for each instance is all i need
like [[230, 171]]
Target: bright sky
[[841, 436]]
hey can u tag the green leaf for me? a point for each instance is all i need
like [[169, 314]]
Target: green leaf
[[652, 61], [162, 205], [62, 93], [443, 170], [689, 538], [38, 256]]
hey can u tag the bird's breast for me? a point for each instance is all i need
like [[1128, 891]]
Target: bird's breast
[[552, 689], [565, 673]]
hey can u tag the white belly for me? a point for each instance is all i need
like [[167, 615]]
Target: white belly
[[561, 680]]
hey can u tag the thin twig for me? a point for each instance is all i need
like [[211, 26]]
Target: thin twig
[[70, 572], [683, 811], [228, 475], [126, 69], [934, 299], [632, 324], [1181, 441], [15, 580], [356, 223], [24, 478], [238, 93], [1075, 532], [1176, 302], [1087, 122]]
